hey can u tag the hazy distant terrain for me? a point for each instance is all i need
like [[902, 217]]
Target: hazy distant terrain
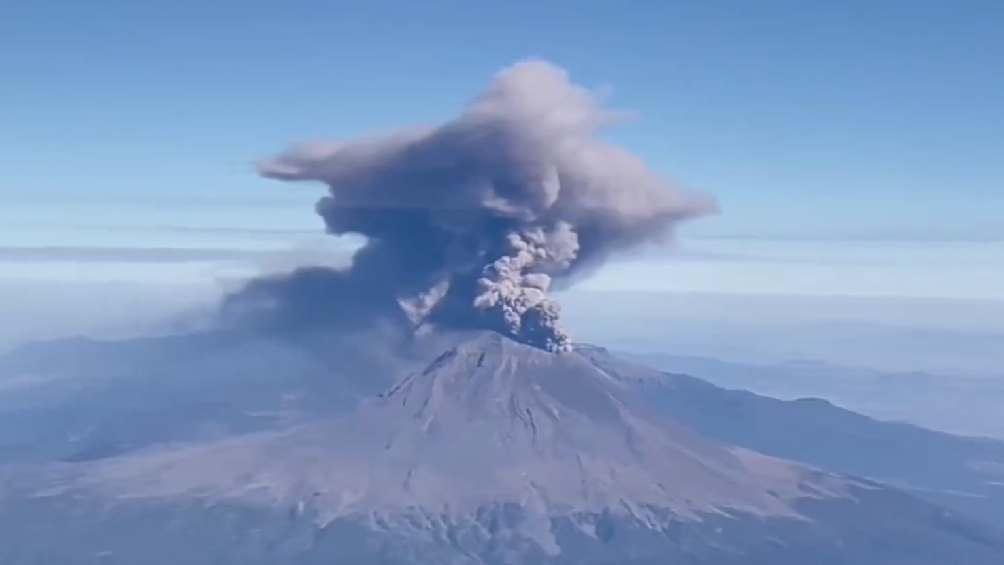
[[949, 337], [955, 404]]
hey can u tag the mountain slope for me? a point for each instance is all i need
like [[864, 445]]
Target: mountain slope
[[80, 399], [965, 473], [488, 420], [494, 453], [953, 403]]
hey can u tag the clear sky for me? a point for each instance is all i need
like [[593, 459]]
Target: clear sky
[[817, 125], [826, 119]]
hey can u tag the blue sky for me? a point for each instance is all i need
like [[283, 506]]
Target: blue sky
[[855, 147], [858, 119]]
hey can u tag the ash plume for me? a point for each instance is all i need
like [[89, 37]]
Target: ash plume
[[468, 224]]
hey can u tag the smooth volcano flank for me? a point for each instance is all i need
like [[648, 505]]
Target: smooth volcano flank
[[494, 452]]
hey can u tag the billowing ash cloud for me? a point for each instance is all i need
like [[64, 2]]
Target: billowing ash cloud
[[467, 224]]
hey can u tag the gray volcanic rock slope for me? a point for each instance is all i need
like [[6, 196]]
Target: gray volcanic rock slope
[[966, 473], [494, 453]]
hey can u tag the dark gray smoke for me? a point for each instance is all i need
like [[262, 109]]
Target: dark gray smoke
[[467, 224]]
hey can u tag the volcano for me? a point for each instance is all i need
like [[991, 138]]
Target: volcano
[[494, 453]]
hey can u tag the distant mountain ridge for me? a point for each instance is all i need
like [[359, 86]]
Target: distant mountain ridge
[[945, 402]]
